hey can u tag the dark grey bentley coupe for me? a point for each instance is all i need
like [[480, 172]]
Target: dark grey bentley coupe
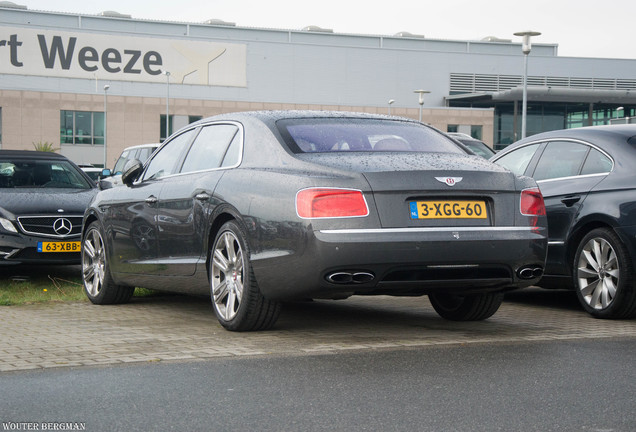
[[255, 208]]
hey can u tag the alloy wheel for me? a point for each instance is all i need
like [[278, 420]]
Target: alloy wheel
[[598, 273], [227, 275], [93, 257]]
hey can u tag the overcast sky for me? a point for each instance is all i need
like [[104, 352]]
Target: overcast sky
[[581, 28]]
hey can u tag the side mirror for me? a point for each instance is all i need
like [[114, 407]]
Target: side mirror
[[106, 173], [131, 171], [104, 184]]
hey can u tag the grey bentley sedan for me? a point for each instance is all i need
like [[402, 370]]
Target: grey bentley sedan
[[255, 208]]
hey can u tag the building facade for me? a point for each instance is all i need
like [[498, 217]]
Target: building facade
[[95, 84]]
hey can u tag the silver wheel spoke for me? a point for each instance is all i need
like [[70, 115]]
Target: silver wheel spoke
[[589, 288], [230, 305], [229, 247], [220, 291], [88, 248], [220, 261], [591, 260]]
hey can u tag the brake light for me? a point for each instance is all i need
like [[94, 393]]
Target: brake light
[[531, 203], [330, 203]]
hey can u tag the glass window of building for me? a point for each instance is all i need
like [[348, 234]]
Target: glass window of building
[[476, 131], [175, 122], [81, 127]]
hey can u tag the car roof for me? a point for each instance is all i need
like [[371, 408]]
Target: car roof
[[138, 146], [605, 136], [625, 131], [276, 115], [31, 154]]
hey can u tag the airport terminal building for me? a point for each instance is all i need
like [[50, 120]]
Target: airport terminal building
[[80, 81]]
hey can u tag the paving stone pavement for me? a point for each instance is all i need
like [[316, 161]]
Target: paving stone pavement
[[172, 328]]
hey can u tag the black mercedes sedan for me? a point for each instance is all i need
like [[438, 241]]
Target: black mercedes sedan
[[588, 180], [43, 196], [255, 208]]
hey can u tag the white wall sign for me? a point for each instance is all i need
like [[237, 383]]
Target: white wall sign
[[109, 57]]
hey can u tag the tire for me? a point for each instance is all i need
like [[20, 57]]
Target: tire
[[472, 307], [603, 275], [237, 300], [98, 284]]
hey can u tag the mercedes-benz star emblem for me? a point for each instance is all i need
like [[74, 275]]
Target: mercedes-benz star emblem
[[62, 226]]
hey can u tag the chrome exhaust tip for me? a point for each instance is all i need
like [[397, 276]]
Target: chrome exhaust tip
[[530, 272], [350, 277]]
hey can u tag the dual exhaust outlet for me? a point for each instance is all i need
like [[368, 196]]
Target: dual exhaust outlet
[[530, 272], [350, 277], [360, 277]]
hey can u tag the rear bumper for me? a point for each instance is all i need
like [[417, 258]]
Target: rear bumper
[[405, 261]]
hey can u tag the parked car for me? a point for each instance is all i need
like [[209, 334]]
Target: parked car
[[476, 146], [254, 208], [140, 152], [42, 201], [93, 172], [588, 180]]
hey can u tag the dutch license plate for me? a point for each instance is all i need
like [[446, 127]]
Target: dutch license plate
[[448, 210], [71, 246]]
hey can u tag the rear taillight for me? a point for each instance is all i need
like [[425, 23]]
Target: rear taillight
[[531, 203], [330, 203]]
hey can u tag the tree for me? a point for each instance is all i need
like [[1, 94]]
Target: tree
[[45, 147]]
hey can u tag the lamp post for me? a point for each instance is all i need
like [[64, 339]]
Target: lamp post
[[167, 74], [391, 102], [421, 94], [106, 87], [526, 47]]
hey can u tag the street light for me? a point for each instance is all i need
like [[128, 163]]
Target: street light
[[421, 99], [167, 74], [391, 102], [526, 47], [106, 87]]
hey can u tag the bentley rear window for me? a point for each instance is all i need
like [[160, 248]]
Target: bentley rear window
[[325, 135]]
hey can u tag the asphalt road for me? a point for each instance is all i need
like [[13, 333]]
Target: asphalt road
[[585, 385]]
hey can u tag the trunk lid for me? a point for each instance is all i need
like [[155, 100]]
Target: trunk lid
[[432, 189]]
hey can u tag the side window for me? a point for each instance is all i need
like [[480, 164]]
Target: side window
[[560, 159], [163, 163], [596, 163], [144, 154], [209, 147], [517, 161], [233, 154], [119, 165]]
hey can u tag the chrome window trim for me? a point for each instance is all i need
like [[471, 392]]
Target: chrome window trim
[[573, 177]]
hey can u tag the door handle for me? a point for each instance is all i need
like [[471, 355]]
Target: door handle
[[202, 196], [569, 201], [151, 200]]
